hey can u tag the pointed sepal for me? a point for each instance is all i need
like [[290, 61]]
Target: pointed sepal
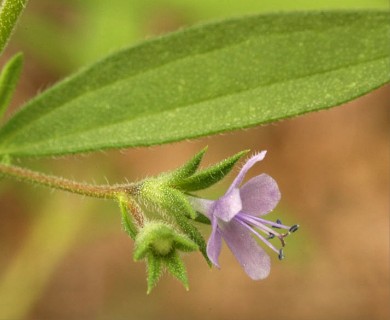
[[192, 232], [176, 268], [154, 270], [209, 176], [186, 170], [180, 208], [184, 244], [128, 223], [202, 219]]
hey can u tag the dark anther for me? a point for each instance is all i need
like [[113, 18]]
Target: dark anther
[[281, 255], [294, 228], [271, 236], [278, 222]]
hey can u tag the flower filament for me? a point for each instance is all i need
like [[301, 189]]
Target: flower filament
[[254, 223]]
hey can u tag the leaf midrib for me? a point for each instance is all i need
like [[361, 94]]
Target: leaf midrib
[[204, 100], [17, 130]]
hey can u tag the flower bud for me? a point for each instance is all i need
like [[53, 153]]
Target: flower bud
[[161, 239], [157, 243]]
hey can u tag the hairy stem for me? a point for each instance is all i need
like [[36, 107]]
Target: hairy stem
[[10, 11], [97, 191]]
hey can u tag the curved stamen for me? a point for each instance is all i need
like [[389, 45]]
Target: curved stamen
[[272, 224], [258, 224], [270, 232], [269, 244]]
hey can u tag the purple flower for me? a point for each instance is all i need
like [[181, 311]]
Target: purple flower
[[236, 217]]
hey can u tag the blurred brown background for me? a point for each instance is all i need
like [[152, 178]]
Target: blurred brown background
[[65, 257]]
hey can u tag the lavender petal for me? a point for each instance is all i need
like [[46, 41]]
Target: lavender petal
[[215, 243], [254, 260], [259, 195], [249, 164]]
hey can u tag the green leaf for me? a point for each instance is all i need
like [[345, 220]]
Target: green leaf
[[119, 23], [10, 11], [213, 8], [206, 178], [9, 77], [208, 79]]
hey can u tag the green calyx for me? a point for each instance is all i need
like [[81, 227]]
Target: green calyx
[[160, 239], [172, 202], [158, 243]]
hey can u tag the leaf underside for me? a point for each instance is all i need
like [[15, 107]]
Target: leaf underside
[[205, 80]]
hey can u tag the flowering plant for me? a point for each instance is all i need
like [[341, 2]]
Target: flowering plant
[[199, 81]]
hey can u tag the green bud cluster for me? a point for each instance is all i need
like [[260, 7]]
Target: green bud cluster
[[158, 243]]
